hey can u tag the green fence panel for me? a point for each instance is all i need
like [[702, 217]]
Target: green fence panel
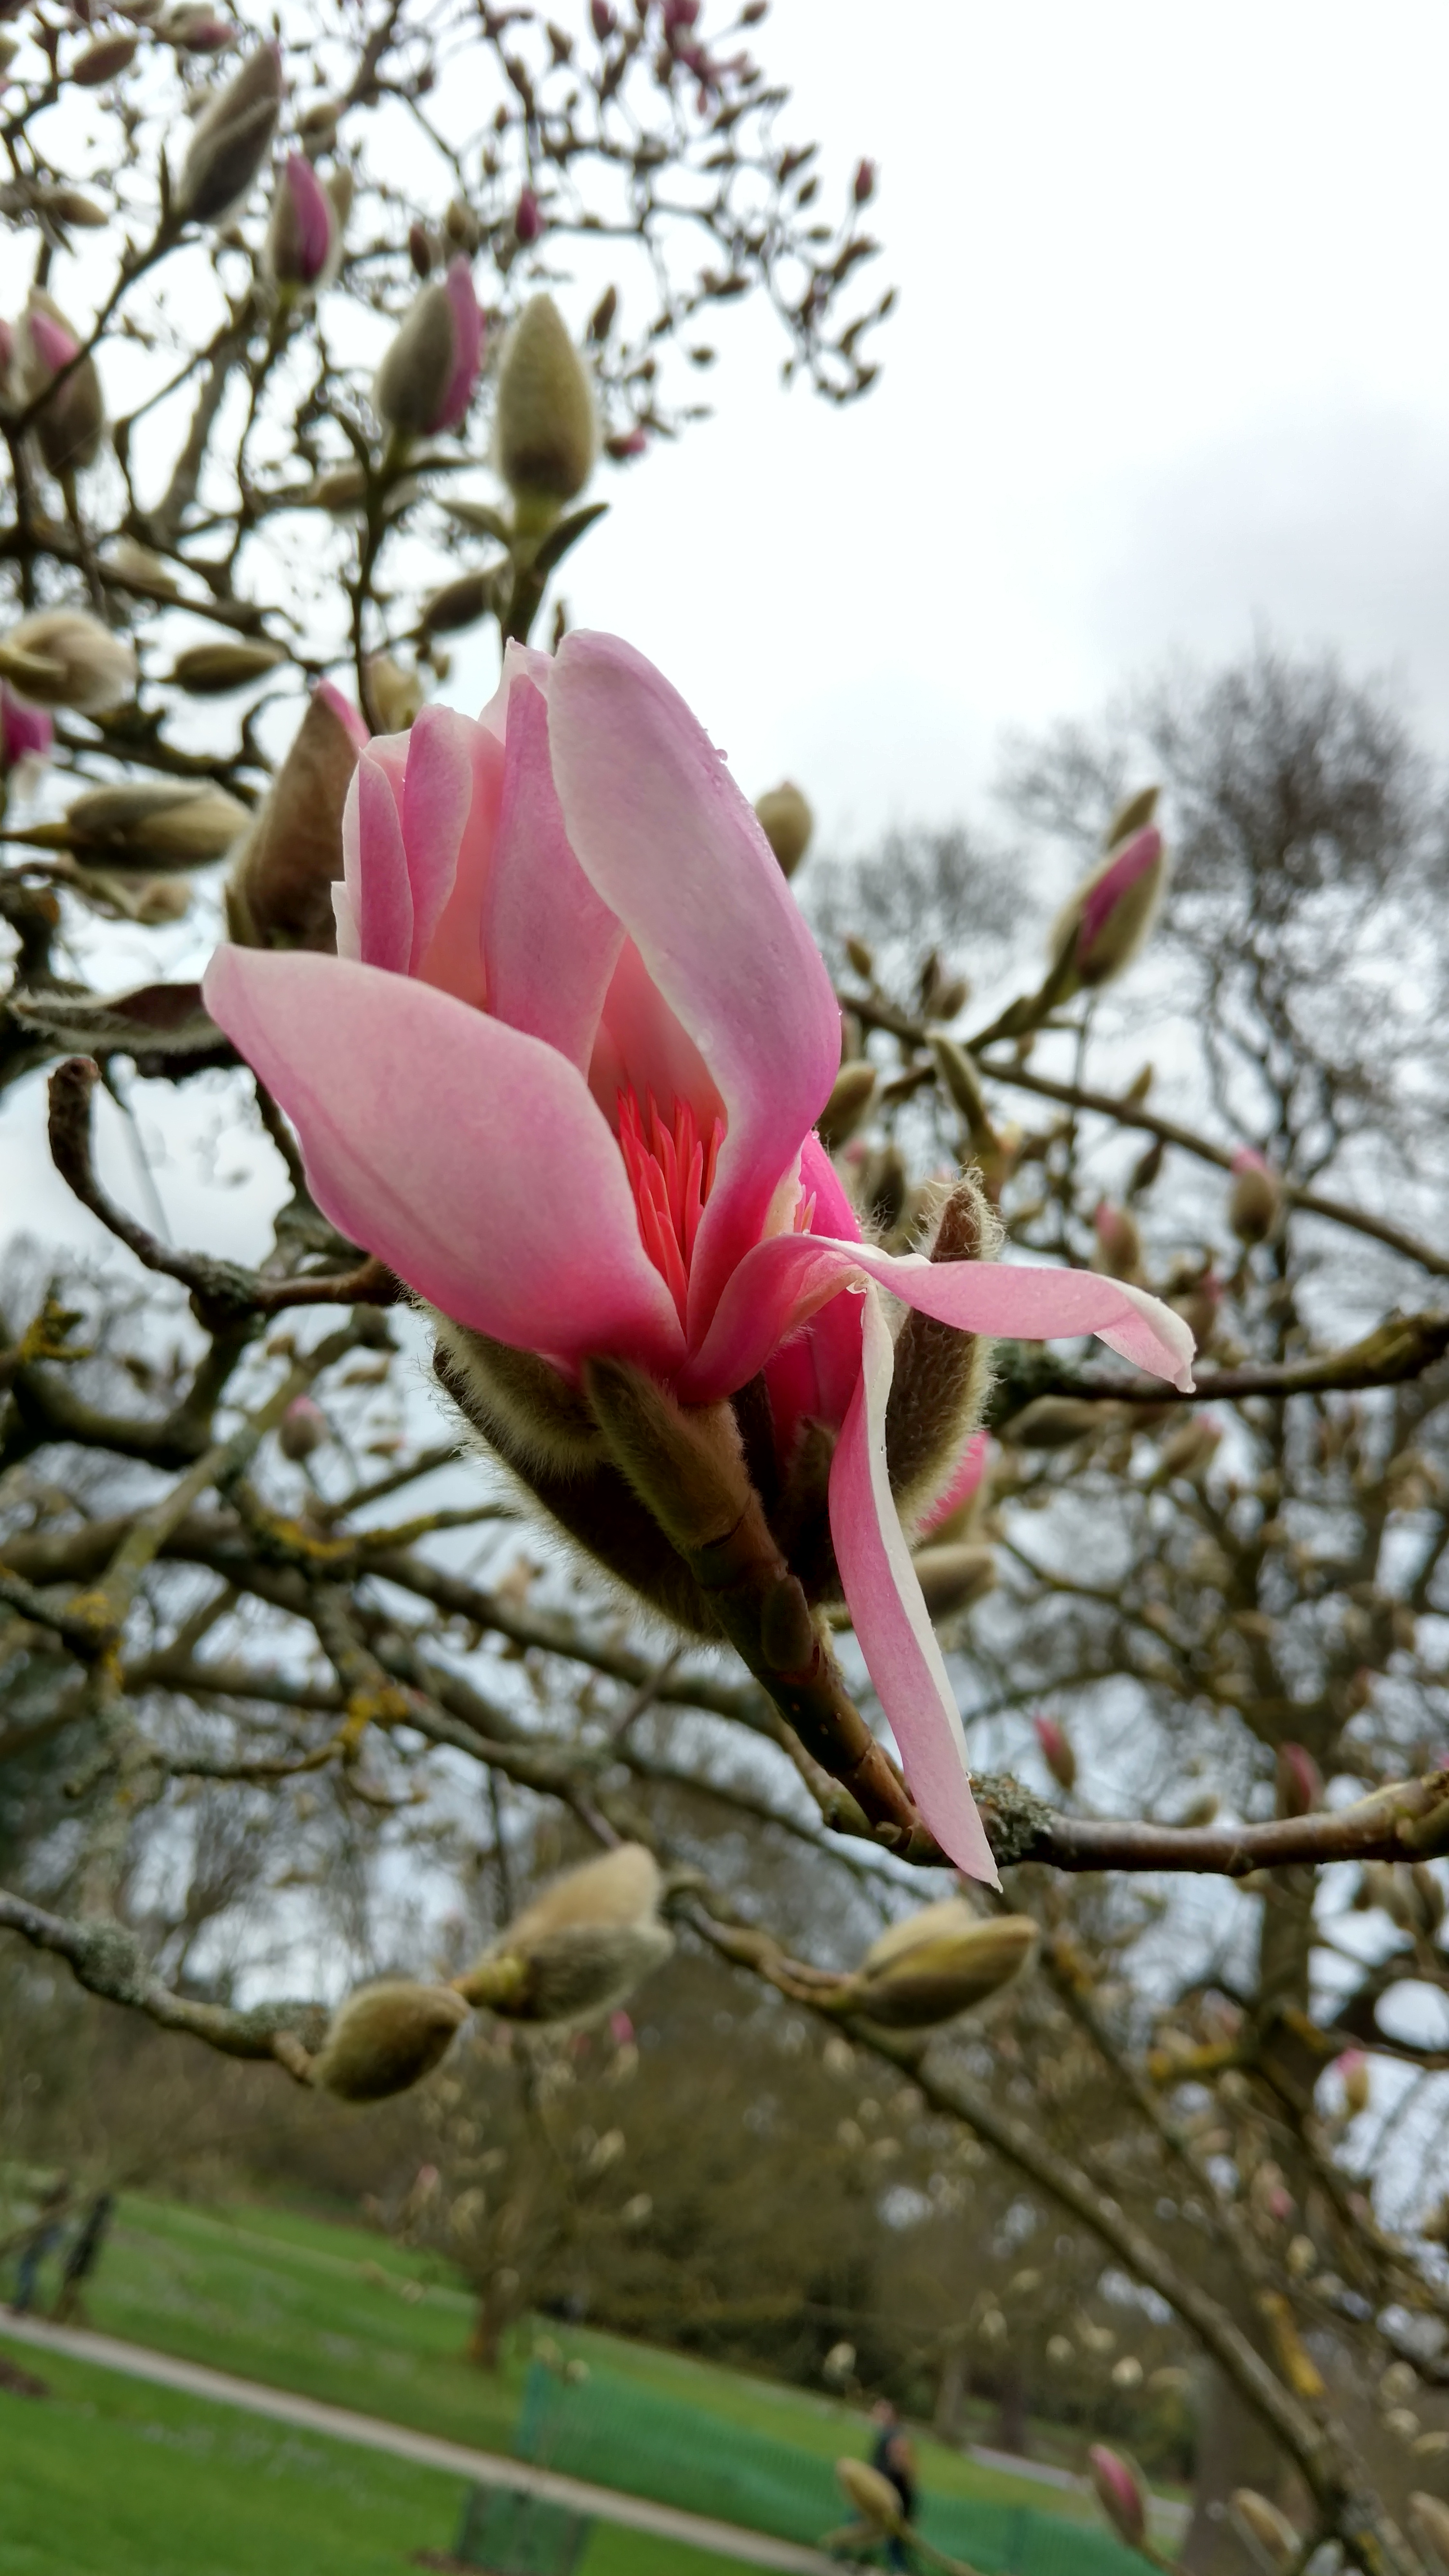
[[511, 2534]]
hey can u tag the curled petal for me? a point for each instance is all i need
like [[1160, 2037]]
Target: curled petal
[[890, 1618], [551, 943]]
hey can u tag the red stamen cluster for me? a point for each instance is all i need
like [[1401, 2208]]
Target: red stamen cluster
[[671, 1173]]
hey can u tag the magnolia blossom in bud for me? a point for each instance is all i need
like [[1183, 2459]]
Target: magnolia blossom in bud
[[61, 657], [1056, 1750], [385, 2038], [1120, 2493], [426, 380], [71, 421], [1105, 923], [1352, 2069], [1429, 2522], [155, 824], [195, 30], [231, 140], [1272, 2531], [562, 1077], [546, 428], [280, 891], [396, 695], [214, 670], [26, 732], [304, 237], [787, 823], [871, 2493], [1119, 1241], [952, 1577], [627, 444], [1189, 1450], [862, 187], [1299, 1781], [851, 1094], [1055, 1422], [580, 1947], [1256, 1197], [302, 1429], [938, 1963], [527, 220]]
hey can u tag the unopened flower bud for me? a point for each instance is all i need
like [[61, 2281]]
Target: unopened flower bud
[[387, 2037], [862, 186], [71, 421], [1299, 1781], [1256, 1197], [527, 220], [1353, 2075], [1057, 1751], [195, 29], [280, 892], [1272, 2531], [231, 140], [157, 825], [396, 694], [426, 380], [787, 823], [304, 237], [580, 1947], [61, 657], [850, 1098], [1055, 1422], [952, 1577], [1119, 1241], [458, 604], [1120, 2493], [1293, 2356], [1106, 922], [938, 1963], [302, 1429], [1189, 1450], [26, 732], [1429, 2521], [461, 226], [874, 2498], [103, 61], [626, 444], [546, 430], [214, 670]]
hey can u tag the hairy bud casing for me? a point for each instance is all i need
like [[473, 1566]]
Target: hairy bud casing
[[386, 2037], [938, 1963], [1120, 2493], [231, 140], [546, 430], [581, 1947], [787, 822], [280, 890], [1255, 1201]]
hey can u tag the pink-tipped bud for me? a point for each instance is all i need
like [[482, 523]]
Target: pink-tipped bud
[[1104, 925], [1119, 1243], [1188, 1451], [603, 19], [1256, 1197], [1352, 2069], [621, 2029], [1299, 1781], [302, 1429], [1120, 2494], [862, 186], [303, 234], [71, 420], [26, 732], [527, 219], [1056, 1751], [428, 375], [628, 444]]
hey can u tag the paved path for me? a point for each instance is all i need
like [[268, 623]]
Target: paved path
[[488, 2468]]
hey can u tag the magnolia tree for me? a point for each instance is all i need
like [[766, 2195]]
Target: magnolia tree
[[740, 1289]]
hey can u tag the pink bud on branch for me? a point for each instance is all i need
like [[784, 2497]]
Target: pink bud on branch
[[1119, 2492]]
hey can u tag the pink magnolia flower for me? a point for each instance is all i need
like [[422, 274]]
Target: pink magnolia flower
[[562, 1077], [1057, 1750], [1119, 2493], [26, 732], [304, 238]]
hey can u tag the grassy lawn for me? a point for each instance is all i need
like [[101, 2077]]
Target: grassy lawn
[[109, 2477]]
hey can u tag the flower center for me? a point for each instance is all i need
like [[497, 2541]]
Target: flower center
[[671, 1173]]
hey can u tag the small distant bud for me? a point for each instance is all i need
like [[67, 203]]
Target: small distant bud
[[839, 2362], [1301, 2258], [231, 140], [1273, 2532], [1353, 2074], [396, 694], [1429, 2521], [546, 431], [1199, 1811], [280, 893], [850, 1098], [73, 206], [387, 2037], [603, 19], [196, 30], [1120, 2493], [103, 61], [461, 226], [61, 657], [876, 2501], [527, 220], [1119, 1241], [601, 320], [1055, 1422], [26, 732], [426, 380], [1399, 2383], [952, 1577], [1294, 2358], [862, 186], [302, 1429], [1105, 923], [961, 1079], [1056, 1751], [787, 823], [304, 237], [861, 958], [580, 1948], [458, 604], [1256, 1198], [71, 421], [1189, 1450], [158, 825], [1299, 1781], [420, 249], [938, 1963], [214, 670], [626, 445]]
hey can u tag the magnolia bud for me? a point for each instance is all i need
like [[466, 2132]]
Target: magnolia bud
[[1271, 2530], [231, 140], [1055, 1422], [214, 670], [26, 732], [1294, 2358], [302, 1429], [1057, 1751], [527, 220], [1189, 1450], [1353, 2075], [396, 694], [787, 823], [280, 893], [61, 657], [1255, 1199], [458, 604], [1429, 2521], [71, 421], [850, 1098], [873, 2496], [546, 431], [387, 2037], [426, 379], [1120, 2493], [103, 61], [862, 186], [195, 29], [304, 236], [1299, 1781], [1119, 1242], [158, 825], [938, 1963], [580, 1947], [1105, 923], [952, 1577]]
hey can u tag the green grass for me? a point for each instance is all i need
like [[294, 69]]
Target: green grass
[[110, 2477]]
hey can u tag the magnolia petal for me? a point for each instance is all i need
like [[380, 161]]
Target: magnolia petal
[[549, 941], [374, 856], [437, 799], [784, 1281], [467, 1156], [890, 1618], [675, 851]]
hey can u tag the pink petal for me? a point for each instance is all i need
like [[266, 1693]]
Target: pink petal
[[1133, 860], [550, 944], [889, 1615], [437, 803], [469, 1157], [661, 830], [813, 1375], [784, 1281], [53, 344], [467, 342], [454, 956], [374, 857]]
